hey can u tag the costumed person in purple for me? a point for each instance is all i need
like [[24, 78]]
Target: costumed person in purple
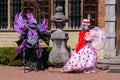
[[30, 34], [84, 57]]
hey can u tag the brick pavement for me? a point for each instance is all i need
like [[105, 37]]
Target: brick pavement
[[16, 73]]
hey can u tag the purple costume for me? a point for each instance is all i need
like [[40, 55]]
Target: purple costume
[[30, 34]]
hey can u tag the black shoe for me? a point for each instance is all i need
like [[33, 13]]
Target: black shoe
[[31, 67], [35, 69]]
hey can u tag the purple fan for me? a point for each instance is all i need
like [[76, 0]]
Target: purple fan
[[18, 22], [44, 25], [30, 16]]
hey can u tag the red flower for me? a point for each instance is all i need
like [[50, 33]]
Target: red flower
[[75, 57], [82, 66], [83, 58], [72, 69], [86, 60], [69, 62], [94, 58], [88, 46], [76, 64]]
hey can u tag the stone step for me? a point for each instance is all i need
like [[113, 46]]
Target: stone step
[[113, 65], [103, 64], [114, 68], [114, 62], [103, 61]]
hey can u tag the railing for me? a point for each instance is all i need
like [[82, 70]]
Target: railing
[[59, 3], [16, 8], [3, 14], [6, 15], [3, 25], [75, 13]]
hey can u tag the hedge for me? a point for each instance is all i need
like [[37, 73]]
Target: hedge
[[8, 58]]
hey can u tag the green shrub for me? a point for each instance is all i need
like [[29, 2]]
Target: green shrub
[[6, 55], [8, 58]]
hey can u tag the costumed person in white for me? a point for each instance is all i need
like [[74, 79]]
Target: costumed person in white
[[84, 57]]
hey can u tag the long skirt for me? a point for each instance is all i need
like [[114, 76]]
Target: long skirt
[[85, 60]]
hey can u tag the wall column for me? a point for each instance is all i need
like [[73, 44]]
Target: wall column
[[9, 16], [110, 18], [66, 13]]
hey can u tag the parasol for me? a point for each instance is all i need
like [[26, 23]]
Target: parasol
[[98, 38]]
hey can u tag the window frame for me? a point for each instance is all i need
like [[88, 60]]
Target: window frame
[[67, 13], [13, 12], [94, 21], [4, 13]]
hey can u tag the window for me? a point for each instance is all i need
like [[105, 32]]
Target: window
[[28, 6], [59, 3], [44, 8], [39, 8], [90, 7], [16, 8], [3, 14], [75, 13]]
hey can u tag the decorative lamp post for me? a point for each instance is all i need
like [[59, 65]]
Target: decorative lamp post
[[59, 54]]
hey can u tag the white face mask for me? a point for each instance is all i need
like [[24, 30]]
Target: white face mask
[[84, 27]]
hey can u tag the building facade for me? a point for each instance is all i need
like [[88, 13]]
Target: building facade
[[101, 12]]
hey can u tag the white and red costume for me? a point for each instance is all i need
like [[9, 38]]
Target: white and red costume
[[84, 56]]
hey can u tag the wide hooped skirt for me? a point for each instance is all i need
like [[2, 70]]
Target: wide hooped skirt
[[84, 60]]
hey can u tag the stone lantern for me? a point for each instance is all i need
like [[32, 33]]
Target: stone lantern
[[59, 54]]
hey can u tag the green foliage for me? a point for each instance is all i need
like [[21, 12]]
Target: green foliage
[[6, 55], [68, 48], [16, 63], [8, 58]]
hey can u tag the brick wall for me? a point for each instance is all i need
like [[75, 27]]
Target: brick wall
[[101, 13]]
